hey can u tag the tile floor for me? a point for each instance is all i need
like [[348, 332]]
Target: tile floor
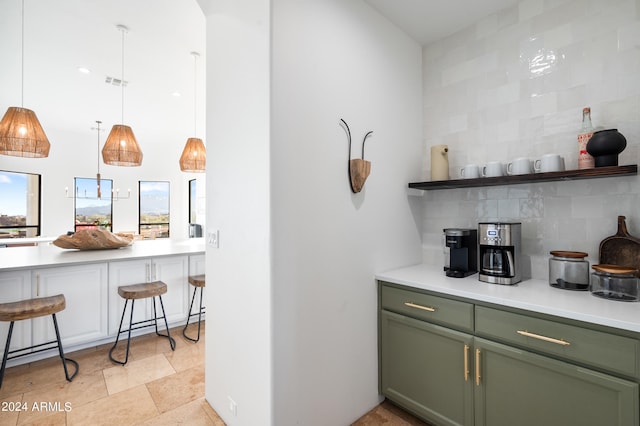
[[156, 387]]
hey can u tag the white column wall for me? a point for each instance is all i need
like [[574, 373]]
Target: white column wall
[[337, 59], [238, 293]]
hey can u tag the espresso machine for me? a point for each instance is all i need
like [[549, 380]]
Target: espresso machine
[[462, 248], [500, 252]]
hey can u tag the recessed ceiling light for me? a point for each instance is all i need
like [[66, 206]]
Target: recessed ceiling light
[[84, 70], [177, 94]]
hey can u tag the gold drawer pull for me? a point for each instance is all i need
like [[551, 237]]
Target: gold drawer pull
[[477, 367], [466, 363], [545, 338], [424, 308]]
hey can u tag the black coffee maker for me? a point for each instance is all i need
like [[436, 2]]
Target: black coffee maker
[[462, 247]]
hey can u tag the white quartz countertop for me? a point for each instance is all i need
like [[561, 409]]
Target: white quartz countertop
[[532, 295], [43, 255]]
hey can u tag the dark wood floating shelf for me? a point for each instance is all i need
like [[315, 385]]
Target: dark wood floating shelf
[[598, 172]]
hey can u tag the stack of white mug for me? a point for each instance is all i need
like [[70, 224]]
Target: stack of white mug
[[519, 166]]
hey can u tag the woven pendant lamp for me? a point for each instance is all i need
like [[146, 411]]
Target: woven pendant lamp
[[121, 147], [21, 134], [194, 154]]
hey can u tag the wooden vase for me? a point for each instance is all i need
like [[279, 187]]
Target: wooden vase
[[359, 171]]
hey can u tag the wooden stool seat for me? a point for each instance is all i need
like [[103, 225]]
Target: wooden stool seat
[[142, 291], [31, 308], [132, 293], [197, 280]]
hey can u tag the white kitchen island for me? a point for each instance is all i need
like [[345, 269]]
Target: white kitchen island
[[89, 281]]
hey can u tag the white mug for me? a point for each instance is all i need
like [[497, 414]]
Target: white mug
[[470, 171], [549, 163], [492, 169], [520, 166]]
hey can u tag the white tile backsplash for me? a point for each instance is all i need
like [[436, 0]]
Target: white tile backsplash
[[514, 85]]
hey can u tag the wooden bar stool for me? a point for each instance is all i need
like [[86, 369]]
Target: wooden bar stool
[[33, 308], [141, 291], [198, 281]]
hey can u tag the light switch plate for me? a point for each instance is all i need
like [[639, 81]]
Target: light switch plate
[[213, 238]]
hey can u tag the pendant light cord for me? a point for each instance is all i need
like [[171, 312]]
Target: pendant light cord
[[98, 122], [122, 82], [22, 60], [195, 93]]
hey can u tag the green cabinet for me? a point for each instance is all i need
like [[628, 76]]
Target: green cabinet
[[493, 375], [522, 388], [422, 369]]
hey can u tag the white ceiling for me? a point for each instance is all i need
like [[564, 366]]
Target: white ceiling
[[62, 35], [430, 20]]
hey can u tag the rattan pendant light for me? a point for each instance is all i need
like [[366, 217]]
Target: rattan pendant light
[[121, 147], [21, 134], [194, 154]]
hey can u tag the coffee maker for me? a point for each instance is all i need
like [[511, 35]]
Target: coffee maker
[[500, 257], [462, 247]]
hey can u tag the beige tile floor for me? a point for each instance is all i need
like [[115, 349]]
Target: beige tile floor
[[156, 387]]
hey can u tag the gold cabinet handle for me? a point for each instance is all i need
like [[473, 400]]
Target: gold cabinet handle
[[466, 363], [424, 308], [477, 367], [544, 338]]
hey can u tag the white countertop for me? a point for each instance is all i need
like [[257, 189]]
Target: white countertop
[[532, 295], [43, 255]]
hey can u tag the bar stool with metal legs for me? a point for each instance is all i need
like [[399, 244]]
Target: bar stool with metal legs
[[198, 281], [141, 291], [33, 308]]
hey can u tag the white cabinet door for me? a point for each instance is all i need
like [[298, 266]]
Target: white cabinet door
[[127, 272], [197, 264], [15, 286], [84, 318], [172, 270]]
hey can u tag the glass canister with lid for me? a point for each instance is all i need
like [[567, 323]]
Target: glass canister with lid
[[615, 282], [569, 270]]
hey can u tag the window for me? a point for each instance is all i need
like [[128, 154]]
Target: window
[[193, 199], [19, 205], [154, 209], [93, 210]]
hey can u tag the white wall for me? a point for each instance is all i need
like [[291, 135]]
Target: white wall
[[514, 85], [292, 326], [239, 284], [334, 59]]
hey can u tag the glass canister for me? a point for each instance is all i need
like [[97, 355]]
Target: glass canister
[[569, 270], [615, 282]]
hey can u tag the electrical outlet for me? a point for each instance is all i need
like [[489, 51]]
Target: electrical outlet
[[213, 238], [233, 407]]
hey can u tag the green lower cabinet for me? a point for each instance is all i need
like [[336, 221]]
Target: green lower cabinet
[[422, 369], [525, 389]]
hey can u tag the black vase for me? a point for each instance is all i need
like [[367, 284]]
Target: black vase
[[605, 145]]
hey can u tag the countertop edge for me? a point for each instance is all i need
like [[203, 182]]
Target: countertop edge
[[42, 256], [531, 295]]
